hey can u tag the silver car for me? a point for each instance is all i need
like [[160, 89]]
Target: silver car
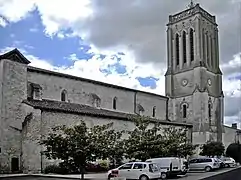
[[205, 163]]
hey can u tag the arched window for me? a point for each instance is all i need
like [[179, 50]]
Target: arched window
[[207, 51], [177, 49], [114, 102], [184, 43], [184, 111], [191, 45], [211, 51], [95, 99], [204, 45], [140, 109], [209, 110], [64, 95], [154, 111]]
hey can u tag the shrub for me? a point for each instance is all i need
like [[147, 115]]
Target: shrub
[[234, 151], [90, 167], [4, 169], [56, 169], [104, 164]]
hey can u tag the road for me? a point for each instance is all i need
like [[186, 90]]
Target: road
[[232, 174], [222, 174]]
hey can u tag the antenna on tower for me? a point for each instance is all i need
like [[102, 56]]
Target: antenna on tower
[[191, 5]]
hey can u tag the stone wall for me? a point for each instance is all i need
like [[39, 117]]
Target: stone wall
[[41, 125], [13, 91], [31, 135], [230, 136], [81, 91]]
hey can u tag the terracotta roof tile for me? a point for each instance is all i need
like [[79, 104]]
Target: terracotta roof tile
[[67, 107]]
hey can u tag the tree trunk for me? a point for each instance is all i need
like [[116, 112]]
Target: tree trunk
[[82, 171]]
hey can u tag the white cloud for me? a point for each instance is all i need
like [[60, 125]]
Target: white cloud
[[91, 69], [141, 30], [15, 10], [3, 22]]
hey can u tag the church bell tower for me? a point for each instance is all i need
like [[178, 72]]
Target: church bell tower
[[193, 77]]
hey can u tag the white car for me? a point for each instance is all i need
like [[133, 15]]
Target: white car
[[137, 170], [228, 161]]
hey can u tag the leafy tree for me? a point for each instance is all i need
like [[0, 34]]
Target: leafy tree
[[176, 142], [234, 151], [212, 148], [77, 145], [151, 141], [144, 141]]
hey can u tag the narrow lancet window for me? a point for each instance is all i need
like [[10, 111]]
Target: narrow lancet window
[[184, 111], [209, 110], [191, 45], [184, 43], [114, 102], [177, 49], [154, 111], [207, 51], [64, 95], [204, 44]]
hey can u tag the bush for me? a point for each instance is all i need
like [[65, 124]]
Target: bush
[[234, 151], [95, 168], [212, 148], [56, 169], [4, 169], [104, 164]]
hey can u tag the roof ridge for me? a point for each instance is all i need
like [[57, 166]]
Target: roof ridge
[[31, 68]]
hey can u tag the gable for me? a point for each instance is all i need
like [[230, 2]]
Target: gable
[[15, 55]]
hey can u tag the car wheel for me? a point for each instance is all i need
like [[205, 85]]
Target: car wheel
[[208, 168], [143, 177], [109, 176], [163, 175]]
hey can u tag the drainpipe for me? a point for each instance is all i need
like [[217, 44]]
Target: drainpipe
[[135, 101], [167, 109]]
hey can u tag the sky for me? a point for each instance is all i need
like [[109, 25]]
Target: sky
[[122, 42]]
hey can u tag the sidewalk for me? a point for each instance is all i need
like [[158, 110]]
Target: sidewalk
[[75, 176], [68, 176]]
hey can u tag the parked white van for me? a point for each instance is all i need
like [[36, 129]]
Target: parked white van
[[173, 165]]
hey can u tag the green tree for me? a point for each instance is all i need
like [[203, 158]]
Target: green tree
[[77, 145], [150, 140], [176, 142], [212, 148], [144, 141], [234, 151]]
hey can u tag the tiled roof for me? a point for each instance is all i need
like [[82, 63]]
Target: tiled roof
[[15, 55], [67, 107], [54, 73]]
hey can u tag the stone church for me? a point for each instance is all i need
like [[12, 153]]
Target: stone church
[[33, 100]]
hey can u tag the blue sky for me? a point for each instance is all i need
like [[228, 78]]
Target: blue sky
[[112, 42], [28, 34]]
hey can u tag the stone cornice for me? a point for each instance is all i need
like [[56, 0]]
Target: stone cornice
[[191, 12]]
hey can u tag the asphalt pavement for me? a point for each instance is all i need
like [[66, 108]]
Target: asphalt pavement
[[224, 174], [231, 175]]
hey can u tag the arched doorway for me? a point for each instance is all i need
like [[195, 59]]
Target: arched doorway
[[15, 164]]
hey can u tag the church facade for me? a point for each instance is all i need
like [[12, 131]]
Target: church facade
[[33, 100]]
